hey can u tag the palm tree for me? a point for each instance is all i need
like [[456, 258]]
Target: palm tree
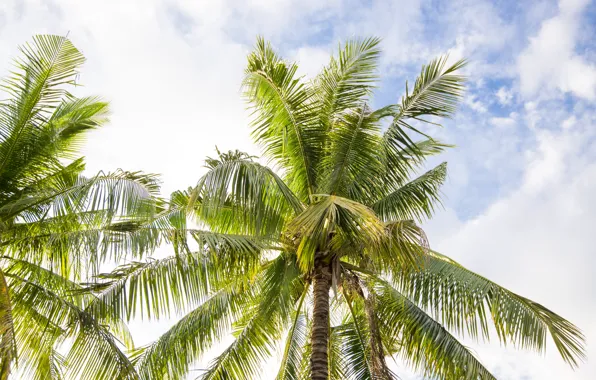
[[57, 227], [257, 254]]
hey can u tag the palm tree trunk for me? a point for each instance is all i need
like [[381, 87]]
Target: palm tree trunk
[[319, 359], [6, 329]]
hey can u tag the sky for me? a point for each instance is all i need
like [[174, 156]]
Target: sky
[[518, 203]]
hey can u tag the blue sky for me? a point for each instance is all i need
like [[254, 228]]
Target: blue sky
[[519, 200]]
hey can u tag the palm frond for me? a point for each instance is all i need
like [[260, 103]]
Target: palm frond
[[120, 193], [50, 308], [416, 199], [354, 345], [436, 93], [260, 326], [35, 88], [155, 288], [173, 353], [286, 124], [352, 159], [291, 361], [421, 341], [330, 223], [242, 196], [400, 251], [95, 354], [348, 79], [463, 300]]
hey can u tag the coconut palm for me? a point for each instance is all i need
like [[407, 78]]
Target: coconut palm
[[57, 226], [325, 257]]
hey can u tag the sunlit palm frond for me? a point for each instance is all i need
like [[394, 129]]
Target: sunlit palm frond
[[295, 345], [352, 160], [171, 355], [242, 196], [120, 193], [421, 341], [155, 288], [259, 328], [354, 342], [95, 354], [51, 309], [416, 199], [436, 93], [286, 124], [7, 330], [343, 221], [463, 300], [400, 251], [348, 80], [34, 89]]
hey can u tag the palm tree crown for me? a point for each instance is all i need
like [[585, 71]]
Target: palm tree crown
[[329, 246], [57, 226]]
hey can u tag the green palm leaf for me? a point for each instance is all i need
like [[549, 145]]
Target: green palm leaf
[[422, 342], [416, 199], [285, 125], [347, 80], [463, 300], [295, 344]]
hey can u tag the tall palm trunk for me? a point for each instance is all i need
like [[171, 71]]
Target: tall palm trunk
[[6, 329], [319, 360]]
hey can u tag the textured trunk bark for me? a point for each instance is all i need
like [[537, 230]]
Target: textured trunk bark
[[379, 368], [6, 329], [319, 360]]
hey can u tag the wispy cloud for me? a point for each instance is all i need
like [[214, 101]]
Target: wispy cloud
[[551, 61]]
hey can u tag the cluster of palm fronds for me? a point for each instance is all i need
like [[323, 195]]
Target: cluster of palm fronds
[[324, 266]]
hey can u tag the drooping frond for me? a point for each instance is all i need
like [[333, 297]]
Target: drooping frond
[[295, 346], [119, 193], [172, 354], [286, 124], [95, 354], [242, 196], [399, 251], [354, 338], [463, 300], [50, 308], [260, 326], [337, 362], [156, 288], [421, 341], [335, 220]]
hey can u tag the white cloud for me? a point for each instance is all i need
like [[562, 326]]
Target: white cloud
[[311, 59], [569, 122], [474, 103], [550, 61], [505, 96], [504, 122]]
